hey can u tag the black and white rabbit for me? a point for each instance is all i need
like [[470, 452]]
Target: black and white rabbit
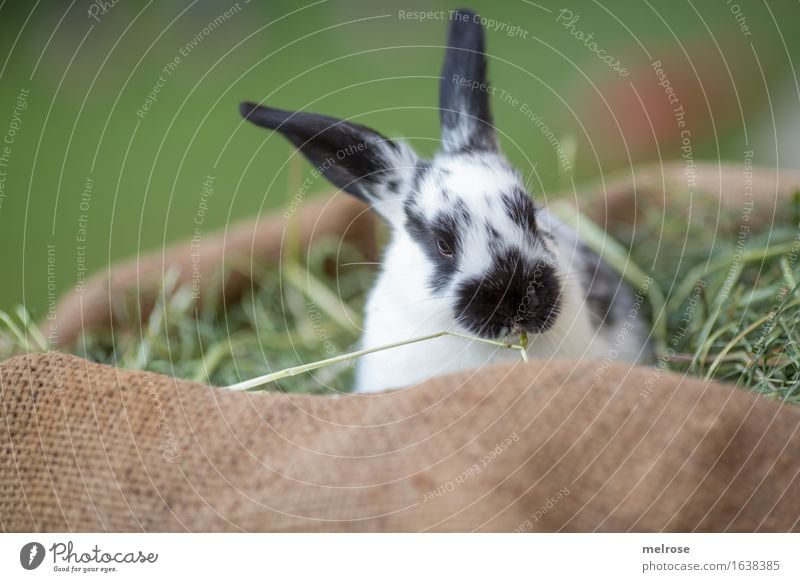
[[470, 251]]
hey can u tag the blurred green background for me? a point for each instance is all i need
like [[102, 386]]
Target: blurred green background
[[85, 70]]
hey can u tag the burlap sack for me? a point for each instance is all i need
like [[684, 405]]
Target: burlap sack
[[538, 447], [570, 446]]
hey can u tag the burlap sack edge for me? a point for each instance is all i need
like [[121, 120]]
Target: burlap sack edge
[[86, 449]]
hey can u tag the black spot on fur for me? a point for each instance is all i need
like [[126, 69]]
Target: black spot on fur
[[520, 208], [513, 295], [352, 156], [392, 185], [426, 233], [420, 173], [462, 213], [460, 106]]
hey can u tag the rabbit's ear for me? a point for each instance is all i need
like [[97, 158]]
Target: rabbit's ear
[[355, 158], [463, 90]]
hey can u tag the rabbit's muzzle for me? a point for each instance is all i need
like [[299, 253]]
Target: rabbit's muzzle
[[513, 296]]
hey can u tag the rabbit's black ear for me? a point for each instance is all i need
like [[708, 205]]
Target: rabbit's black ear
[[355, 158], [463, 90]]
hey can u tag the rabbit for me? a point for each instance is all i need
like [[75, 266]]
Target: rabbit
[[469, 250]]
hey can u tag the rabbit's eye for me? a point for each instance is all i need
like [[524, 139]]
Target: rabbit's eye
[[444, 248]]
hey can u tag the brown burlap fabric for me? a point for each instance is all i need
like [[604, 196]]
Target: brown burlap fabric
[[539, 447], [549, 446]]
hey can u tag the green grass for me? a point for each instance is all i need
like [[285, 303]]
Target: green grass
[[733, 305], [727, 308], [274, 326]]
